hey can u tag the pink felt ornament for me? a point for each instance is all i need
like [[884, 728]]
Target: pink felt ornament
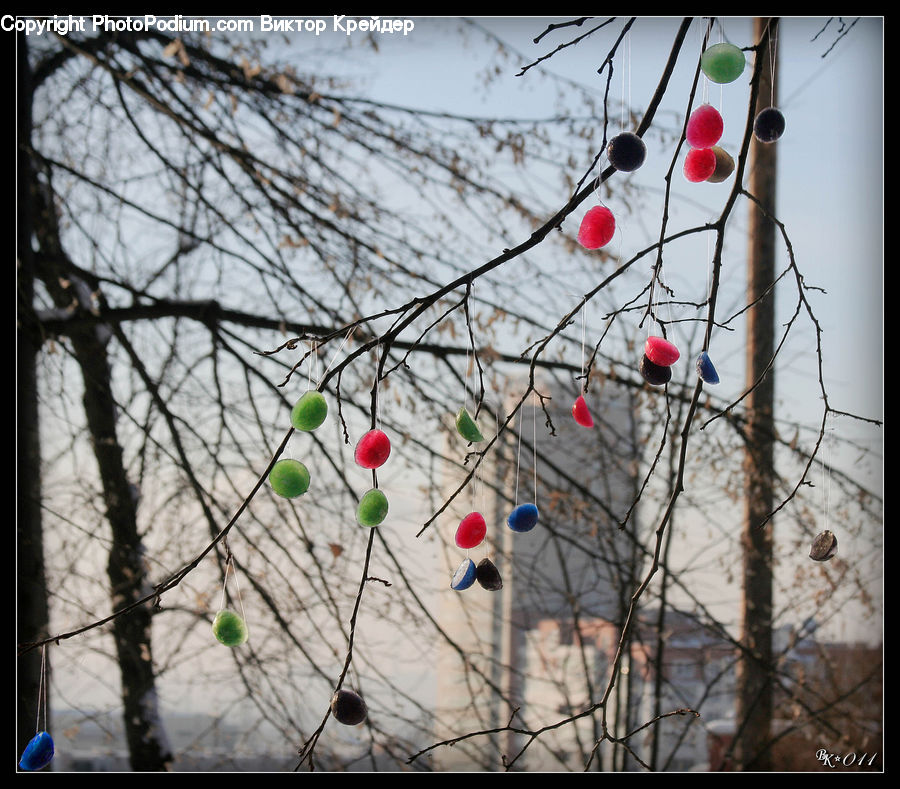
[[597, 228], [372, 450], [471, 530], [661, 352], [705, 127], [581, 413], [699, 164]]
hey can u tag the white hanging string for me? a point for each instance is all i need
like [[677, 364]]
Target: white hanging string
[[704, 91], [472, 325], [583, 309], [826, 476], [668, 296], [375, 386], [347, 336], [496, 431], [225, 584], [622, 120], [466, 380], [773, 52], [231, 569], [534, 443], [654, 302], [237, 585], [42, 692], [474, 488], [629, 80], [518, 457]]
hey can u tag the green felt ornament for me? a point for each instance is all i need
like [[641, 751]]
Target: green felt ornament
[[372, 509], [723, 63], [230, 629], [289, 478], [310, 411], [466, 426]]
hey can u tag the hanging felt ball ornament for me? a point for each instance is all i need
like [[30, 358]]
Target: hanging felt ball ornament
[[824, 547], [372, 508], [464, 576], [372, 450], [581, 413], [699, 164], [626, 152], [724, 166], [289, 478], [309, 411], [471, 530], [705, 127], [348, 708], [488, 575], [466, 426], [706, 370], [723, 63], [597, 228], [523, 518], [769, 125], [660, 351], [654, 374], [38, 753], [229, 628]]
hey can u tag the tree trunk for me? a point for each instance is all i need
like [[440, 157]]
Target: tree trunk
[[754, 675], [31, 588], [147, 745]]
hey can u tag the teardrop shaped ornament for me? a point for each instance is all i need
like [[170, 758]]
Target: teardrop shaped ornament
[[824, 547], [523, 518], [289, 478], [230, 629], [704, 127], [706, 370], [582, 413], [38, 753], [471, 531], [723, 63], [348, 708], [597, 228], [699, 165], [626, 152], [372, 508], [768, 125], [372, 450], [661, 352], [309, 411], [654, 374], [488, 575], [464, 576], [467, 427]]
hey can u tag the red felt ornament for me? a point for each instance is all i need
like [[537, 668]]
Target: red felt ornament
[[471, 530], [597, 228], [581, 413], [705, 127], [699, 164], [661, 352], [372, 450]]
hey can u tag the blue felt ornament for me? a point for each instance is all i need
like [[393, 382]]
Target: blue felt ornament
[[38, 753], [706, 370], [523, 518], [464, 576]]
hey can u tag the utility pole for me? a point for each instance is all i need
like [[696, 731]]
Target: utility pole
[[754, 673]]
